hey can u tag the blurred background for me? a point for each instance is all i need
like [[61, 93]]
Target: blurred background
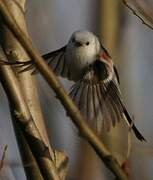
[[50, 24]]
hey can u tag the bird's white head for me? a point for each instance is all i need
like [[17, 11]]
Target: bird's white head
[[84, 47]]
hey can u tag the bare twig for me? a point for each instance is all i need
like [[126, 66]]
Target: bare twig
[[70, 107], [3, 157], [22, 114], [130, 140], [125, 165], [141, 13]]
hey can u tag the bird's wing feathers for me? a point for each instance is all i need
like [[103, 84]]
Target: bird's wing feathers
[[98, 100], [56, 60], [97, 94]]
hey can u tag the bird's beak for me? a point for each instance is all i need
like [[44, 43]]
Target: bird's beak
[[78, 44]]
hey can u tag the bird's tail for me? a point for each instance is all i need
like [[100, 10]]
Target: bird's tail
[[135, 130]]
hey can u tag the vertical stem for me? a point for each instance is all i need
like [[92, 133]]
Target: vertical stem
[[22, 120], [109, 32], [14, 50], [109, 23]]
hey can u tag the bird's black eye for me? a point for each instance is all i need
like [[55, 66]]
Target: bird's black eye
[[87, 43]]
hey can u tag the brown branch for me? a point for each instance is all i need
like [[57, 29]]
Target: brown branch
[[32, 171], [3, 157], [145, 8], [145, 12], [70, 107], [28, 84], [22, 114], [14, 50]]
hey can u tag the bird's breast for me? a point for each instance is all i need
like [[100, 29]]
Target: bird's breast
[[79, 59]]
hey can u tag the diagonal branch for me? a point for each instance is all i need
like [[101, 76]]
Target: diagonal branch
[[21, 112], [3, 157], [70, 107], [142, 11], [28, 86]]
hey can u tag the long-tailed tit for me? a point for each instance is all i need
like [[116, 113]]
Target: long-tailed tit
[[96, 90]]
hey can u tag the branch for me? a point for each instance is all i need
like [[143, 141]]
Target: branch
[[28, 86], [144, 13], [14, 50], [70, 107], [3, 157], [22, 114], [30, 165]]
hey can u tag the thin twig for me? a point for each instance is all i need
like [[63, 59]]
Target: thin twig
[[130, 139], [125, 164], [70, 107], [3, 157], [141, 11]]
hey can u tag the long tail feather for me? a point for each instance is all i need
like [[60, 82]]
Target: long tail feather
[[135, 130]]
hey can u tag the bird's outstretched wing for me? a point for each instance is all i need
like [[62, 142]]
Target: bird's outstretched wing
[[100, 100], [55, 59]]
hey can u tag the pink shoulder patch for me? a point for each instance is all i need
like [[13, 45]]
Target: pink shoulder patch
[[104, 55]]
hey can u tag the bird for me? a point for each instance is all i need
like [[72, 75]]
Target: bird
[[96, 91]]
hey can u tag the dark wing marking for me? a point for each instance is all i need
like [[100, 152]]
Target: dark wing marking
[[55, 59], [125, 112], [116, 73]]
